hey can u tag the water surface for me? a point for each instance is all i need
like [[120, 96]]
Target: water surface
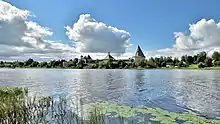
[[173, 90]]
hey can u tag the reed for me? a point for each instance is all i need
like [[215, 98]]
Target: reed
[[17, 108]]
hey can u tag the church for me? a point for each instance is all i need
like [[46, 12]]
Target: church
[[139, 55]]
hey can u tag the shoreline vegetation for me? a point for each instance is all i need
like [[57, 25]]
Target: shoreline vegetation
[[17, 107], [198, 61]]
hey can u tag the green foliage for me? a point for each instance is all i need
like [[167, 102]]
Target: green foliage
[[216, 56], [142, 64], [151, 63], [183, 59], [190, 60], [208, 62], [176, 61], [217, 63], [157, 62], [180, 64], [201, 57], [195, 59], [28, 62], [201, 65]]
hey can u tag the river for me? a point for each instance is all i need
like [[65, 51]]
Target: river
[[172, 90]]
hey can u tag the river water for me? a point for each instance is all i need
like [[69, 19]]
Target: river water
[[172, 90]]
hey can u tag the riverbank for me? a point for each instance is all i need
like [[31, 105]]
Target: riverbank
[[191, 67], [16, 106], [195, 66]]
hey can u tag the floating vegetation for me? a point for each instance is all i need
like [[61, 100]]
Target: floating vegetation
[[17, 108], [153, 114]]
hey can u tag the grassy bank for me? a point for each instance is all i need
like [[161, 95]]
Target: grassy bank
[[191, 67], [196, 66], [17, 107]]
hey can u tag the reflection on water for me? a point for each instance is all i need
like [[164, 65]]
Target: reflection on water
[[173, 90]]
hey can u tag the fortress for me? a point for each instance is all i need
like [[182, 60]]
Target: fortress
[[138, 56]]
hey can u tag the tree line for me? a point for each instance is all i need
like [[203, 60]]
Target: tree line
[[201, 60]]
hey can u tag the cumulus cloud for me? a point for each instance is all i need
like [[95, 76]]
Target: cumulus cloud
[[23, 39], [20, 37], [92, 36], [204, 35]]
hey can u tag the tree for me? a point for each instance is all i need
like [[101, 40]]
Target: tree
[[180, 64], [217, 63], [201, 65], [157, 62], [2, 64], [201, 57], [161, 61], [183, 59], [56, 63], [176, 61], [189, 59], [120, 64], [43, 64], [208, 62], [163, 64], [195, 59], [169, 61], [34, 64], [28, 62], [142, 64], [151, 63], [216, 56], [80, 64]]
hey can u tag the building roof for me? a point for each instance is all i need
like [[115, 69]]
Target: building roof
[[139, 52], [89, 57], [109, 56]]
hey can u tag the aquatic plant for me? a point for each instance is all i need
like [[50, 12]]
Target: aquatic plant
[[152, 114], [16, 107]]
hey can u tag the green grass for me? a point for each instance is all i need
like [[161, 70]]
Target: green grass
[[195, 66], [16, 107]]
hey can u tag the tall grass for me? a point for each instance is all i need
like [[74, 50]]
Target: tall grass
[[17, 108]]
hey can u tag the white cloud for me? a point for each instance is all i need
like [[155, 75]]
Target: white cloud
[[204, 35], [92, 36], [20, 37]]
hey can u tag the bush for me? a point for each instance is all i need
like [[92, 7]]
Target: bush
[[201, 65], [208, 62], [217, 63], [180, 64]]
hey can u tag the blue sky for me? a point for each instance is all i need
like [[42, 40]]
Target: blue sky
[[151, 23]]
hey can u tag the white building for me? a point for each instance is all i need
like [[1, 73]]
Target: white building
[[139, 55], [108, 57]]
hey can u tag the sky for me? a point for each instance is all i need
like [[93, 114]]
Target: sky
[[48, 29]]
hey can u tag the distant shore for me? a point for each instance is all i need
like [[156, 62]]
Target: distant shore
[[163, 68], [200, 61]]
